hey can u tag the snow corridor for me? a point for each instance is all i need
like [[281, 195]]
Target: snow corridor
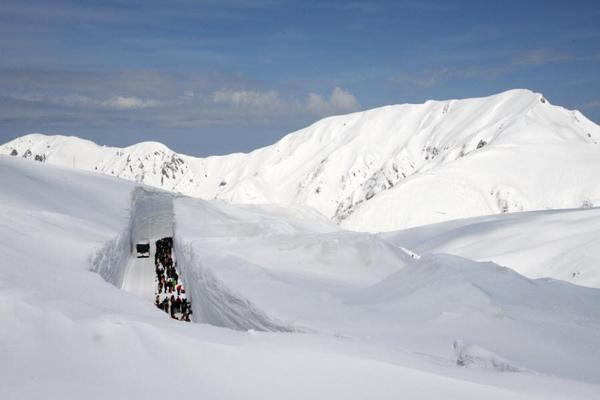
[[154, 276], [172, 270]]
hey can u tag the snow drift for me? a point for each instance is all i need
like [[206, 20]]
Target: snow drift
[[473, 356], [559, 244]]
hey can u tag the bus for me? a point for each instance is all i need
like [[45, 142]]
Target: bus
[[142, 249]]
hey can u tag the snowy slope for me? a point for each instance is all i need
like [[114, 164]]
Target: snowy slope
[[356, 286], [422, 163], [560, 244], [383, 325]]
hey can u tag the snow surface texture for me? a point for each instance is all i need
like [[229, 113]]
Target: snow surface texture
[[383, 324], [472, 356], [424, 163], [559, 244]]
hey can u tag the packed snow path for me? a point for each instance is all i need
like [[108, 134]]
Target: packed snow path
[[152, 222], [139, 277], [151, 219]]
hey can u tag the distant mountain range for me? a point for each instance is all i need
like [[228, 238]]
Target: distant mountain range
[[383, 169]]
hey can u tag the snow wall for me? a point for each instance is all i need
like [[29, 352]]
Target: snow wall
[[151, 218], [213, 302]]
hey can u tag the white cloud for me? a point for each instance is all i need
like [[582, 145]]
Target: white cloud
[[75, 100], [590, 105], [340, 100], [248, 98], [70, 100], [317, 104], [540, 57], [427, 80], [129, 102], [430, 79], [343, 100]]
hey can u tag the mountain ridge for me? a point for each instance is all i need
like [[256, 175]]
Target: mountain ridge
[[349, 166]]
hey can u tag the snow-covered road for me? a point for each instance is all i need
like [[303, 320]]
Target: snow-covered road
[[139, 277], [151, 219]]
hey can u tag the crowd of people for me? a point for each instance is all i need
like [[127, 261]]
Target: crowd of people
[[170, 293]]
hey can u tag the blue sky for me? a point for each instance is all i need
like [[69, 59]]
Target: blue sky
[[213, 77]]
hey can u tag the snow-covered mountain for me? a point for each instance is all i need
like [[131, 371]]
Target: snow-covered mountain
[[384, 169]]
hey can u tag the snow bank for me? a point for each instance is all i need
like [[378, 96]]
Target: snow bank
[[214, 302], [109, 262], [150, 217], [438, 298], [265, 260], [473, 356]]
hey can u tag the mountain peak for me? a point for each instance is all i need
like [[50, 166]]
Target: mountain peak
[[149, 147]]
